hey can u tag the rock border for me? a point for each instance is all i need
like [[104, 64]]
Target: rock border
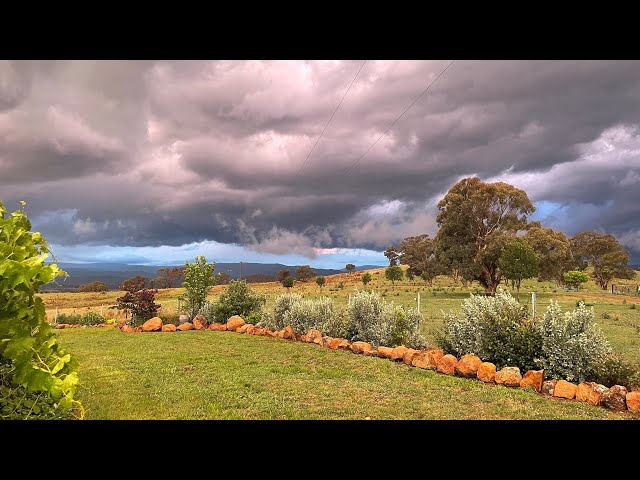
[[615, 398]]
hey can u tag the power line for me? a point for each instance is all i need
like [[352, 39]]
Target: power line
[[325, 127], [349, 170]]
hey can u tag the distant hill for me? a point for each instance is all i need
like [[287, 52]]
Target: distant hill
[[113, 274]]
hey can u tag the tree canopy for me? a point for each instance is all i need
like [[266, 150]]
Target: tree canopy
[[518, 261], [604, 253]]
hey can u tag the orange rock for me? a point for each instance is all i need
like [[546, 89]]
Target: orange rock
[[185, 326], [360, 347], [373, 353], [509, 377], [169, 327], [447, 364], [533, 379], [61, 325], [250, 329], [268, 332], [614, 398], [486, 372], [288, 333], [218, 326], [332, 343], [243, 328], [200, 322], [234, 322], [590, 392], [385, 352], [128, 329], [420, 360], [548, 387], [468, 365], [398, 353], [314, 336], [344, 344], [152, 325], [633, 401], [300, 337], [409, 355], [565, 389], [137, 329]]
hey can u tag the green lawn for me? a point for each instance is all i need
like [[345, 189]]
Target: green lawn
[[223, 375]]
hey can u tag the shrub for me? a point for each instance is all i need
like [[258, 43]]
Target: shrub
[[606, 315], [571, 343], [88, 318], [305, 313], [380, 323], [171, 318], [140, 301], [281, 306], [207, 310], [633, 306], [238, 299], [614, 370], [494, 328], [18, 403]]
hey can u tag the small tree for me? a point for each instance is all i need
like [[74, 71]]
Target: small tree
[[320, 281], [198, 280], [366, 278], [518, 261], [93, 287], [287, 282], [139, 301], [304, 273], [575, 278], [282, 274], [393, 273], [350, 268]]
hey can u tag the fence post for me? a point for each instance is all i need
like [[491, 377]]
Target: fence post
[[533, 304], [349, 301], [418, 301], [56, 317]]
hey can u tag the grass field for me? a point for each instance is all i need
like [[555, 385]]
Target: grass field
[[614, 313], [223, 375]]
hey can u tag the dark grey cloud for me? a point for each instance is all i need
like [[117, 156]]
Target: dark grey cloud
[[153, 153]]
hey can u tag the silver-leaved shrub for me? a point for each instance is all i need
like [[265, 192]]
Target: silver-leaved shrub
[[380, 323], [571, 343]]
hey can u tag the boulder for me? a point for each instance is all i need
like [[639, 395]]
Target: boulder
[[565, 389], [615, 398], [169, 327], [288, 333], [344, 344], [200, 322], [398, 353], [373, 353], [447, 364], [409, 355], [128, 329], [62, 325], [486, 372], [360, 347], [243, 328], [533, 379], [314, 336], [590, 392], [468, 365], [548, 387], [420, 360], [185, 326], [220, 327], [137, 329], [234, 322], [332, 343], [385, 352], [152, 325], [300, 337], [268, 332], [633, 402], [183, 319], [509, 377], [251, 329]]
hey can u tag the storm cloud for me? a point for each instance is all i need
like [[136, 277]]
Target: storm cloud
[[145, 154]]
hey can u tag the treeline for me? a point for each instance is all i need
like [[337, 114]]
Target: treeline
[[484, 235]]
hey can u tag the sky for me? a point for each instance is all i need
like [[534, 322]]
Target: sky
[[155, 162]]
